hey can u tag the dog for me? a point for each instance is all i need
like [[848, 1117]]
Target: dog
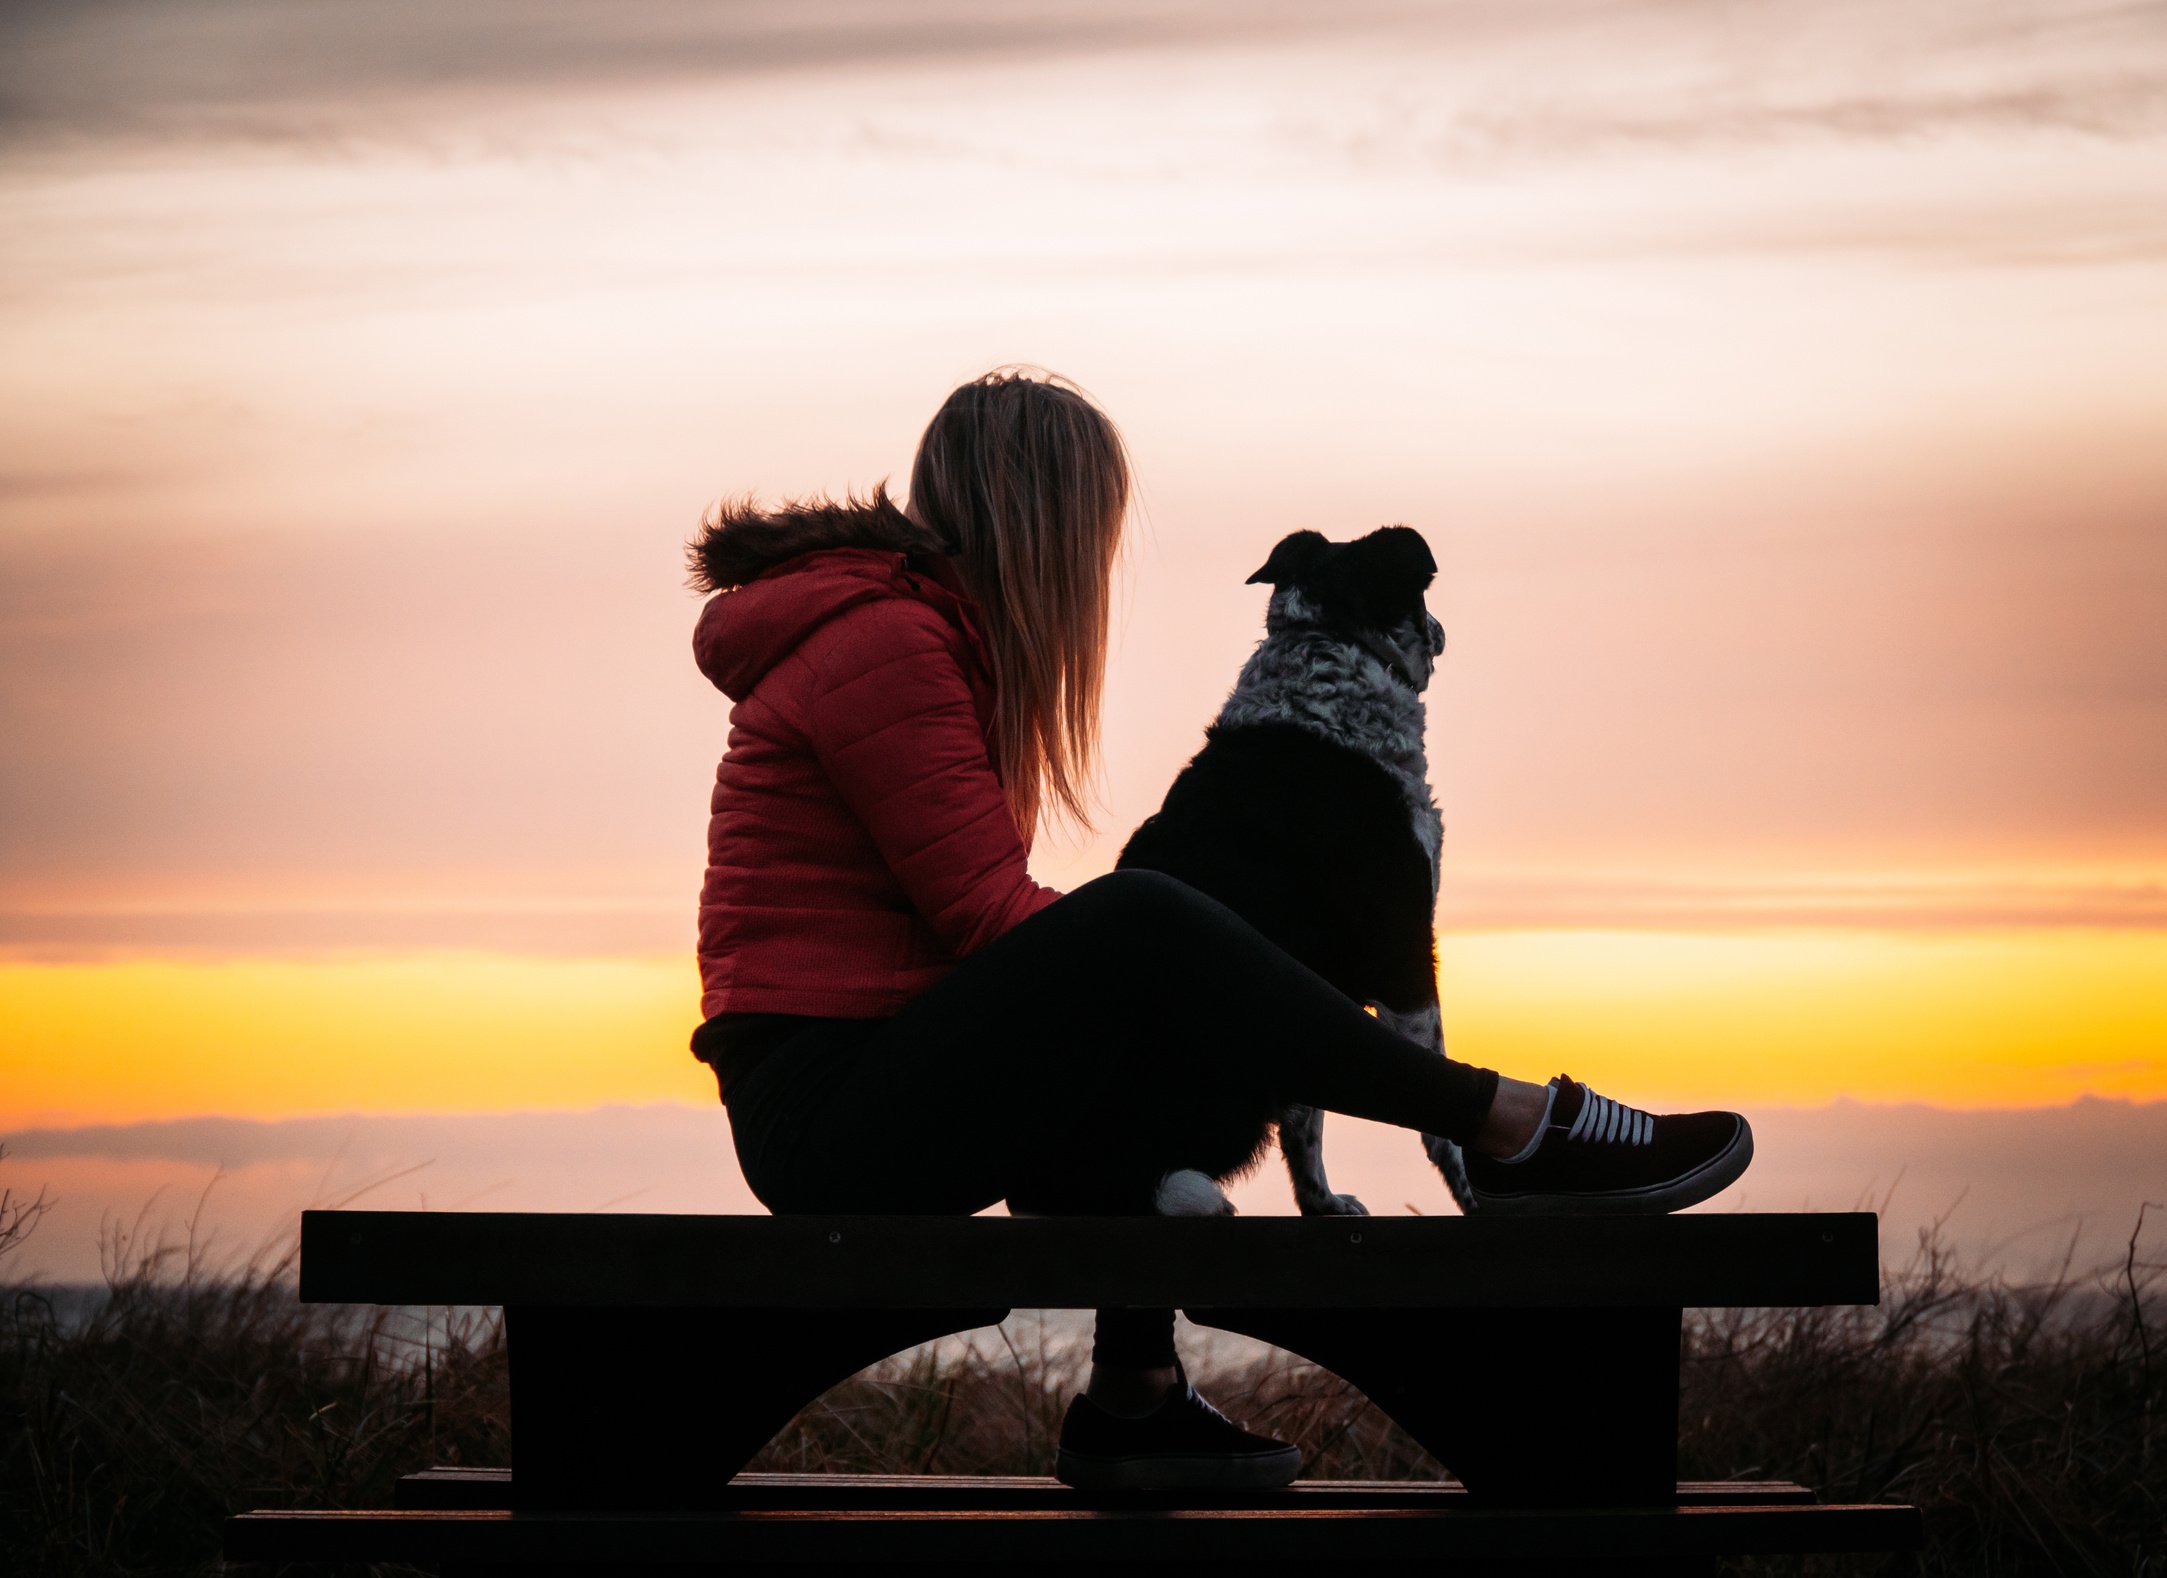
[[1309, 813]]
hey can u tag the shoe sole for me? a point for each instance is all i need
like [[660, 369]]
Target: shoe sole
[[1711, 1178], [1177, 1471]]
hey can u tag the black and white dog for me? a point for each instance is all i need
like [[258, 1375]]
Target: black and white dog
[[1308, 812]]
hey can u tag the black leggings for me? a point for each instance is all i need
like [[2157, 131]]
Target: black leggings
[[1132, 1027]]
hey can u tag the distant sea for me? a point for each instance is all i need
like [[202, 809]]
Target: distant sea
[[2014, 1192]]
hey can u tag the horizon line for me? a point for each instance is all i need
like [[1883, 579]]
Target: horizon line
[[11, 1134]]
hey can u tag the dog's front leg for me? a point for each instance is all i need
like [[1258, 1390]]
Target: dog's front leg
[[1301, 1142], [1425, 1027]]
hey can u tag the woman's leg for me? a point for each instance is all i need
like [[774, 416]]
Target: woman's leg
[[1130, 1028]]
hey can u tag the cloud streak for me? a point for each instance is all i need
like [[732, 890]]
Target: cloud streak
[[1480, 903], [259, 69], [1487, 901], [340, 70], [2125, 105]]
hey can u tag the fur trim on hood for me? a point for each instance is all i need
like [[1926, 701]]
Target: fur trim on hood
[[740, 541]]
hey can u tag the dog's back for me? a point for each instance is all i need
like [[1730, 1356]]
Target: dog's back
[[1307, 840]]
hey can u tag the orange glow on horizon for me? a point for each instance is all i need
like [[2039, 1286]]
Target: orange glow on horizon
[[118, 1043], [2000, 1019], [1993, 1019]]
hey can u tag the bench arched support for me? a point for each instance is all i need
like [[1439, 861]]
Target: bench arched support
[[658, 1408], [1565, 1407]]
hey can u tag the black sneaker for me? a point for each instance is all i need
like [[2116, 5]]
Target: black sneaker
[[1183, 1444], [1593, 1155]]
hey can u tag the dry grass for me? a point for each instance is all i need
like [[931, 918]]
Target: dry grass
[[184, 1391], [2026, 1420]]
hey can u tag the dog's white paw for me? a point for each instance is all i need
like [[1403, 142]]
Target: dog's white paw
[[1332, 1205], [1191, 1193]]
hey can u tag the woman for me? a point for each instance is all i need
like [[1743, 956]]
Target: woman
[[901, 1020]]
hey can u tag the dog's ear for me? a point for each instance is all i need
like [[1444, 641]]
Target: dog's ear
[[1296, 552], [1403, 548]]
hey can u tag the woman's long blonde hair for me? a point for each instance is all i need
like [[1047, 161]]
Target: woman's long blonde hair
[[1030, 482]]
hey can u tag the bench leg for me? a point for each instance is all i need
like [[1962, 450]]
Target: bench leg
[[1559, 1407], [658, 1408]]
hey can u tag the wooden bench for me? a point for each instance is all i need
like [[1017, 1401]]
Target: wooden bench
[[652, 1356]]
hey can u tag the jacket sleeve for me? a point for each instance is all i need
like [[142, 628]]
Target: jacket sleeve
[[892, 721]]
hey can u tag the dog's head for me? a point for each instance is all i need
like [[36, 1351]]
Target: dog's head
[[1367, 592]]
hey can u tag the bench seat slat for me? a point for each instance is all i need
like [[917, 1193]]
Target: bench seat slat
[[482, 1488], [1324, 1535], [599, 1260]]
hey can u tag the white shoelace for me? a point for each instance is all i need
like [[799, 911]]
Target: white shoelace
[[1602, 1121]]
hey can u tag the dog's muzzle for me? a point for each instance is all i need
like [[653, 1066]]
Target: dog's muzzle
[[1434, 644], [1410, 665]]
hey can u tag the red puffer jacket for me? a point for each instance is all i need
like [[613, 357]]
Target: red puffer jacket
[[858, 844]]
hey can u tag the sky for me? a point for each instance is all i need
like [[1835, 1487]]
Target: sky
[[1780, 389]]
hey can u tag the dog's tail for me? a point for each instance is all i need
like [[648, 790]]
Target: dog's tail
[[1191, 1193]]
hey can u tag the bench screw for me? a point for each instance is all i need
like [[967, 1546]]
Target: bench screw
[[835, 1238], [1354, 1238]]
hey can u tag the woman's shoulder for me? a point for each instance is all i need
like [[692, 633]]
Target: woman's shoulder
[[829, 606], [897, 624]]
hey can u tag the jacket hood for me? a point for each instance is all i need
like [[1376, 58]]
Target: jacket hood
[[741, 541], [781, 574]]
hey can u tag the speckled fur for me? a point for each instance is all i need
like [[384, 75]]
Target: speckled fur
[[1299, 674]]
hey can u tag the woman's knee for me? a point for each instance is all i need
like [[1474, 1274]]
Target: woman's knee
[[1142, 906]]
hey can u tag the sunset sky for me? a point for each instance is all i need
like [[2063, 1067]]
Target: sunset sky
[[1782, 389]]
